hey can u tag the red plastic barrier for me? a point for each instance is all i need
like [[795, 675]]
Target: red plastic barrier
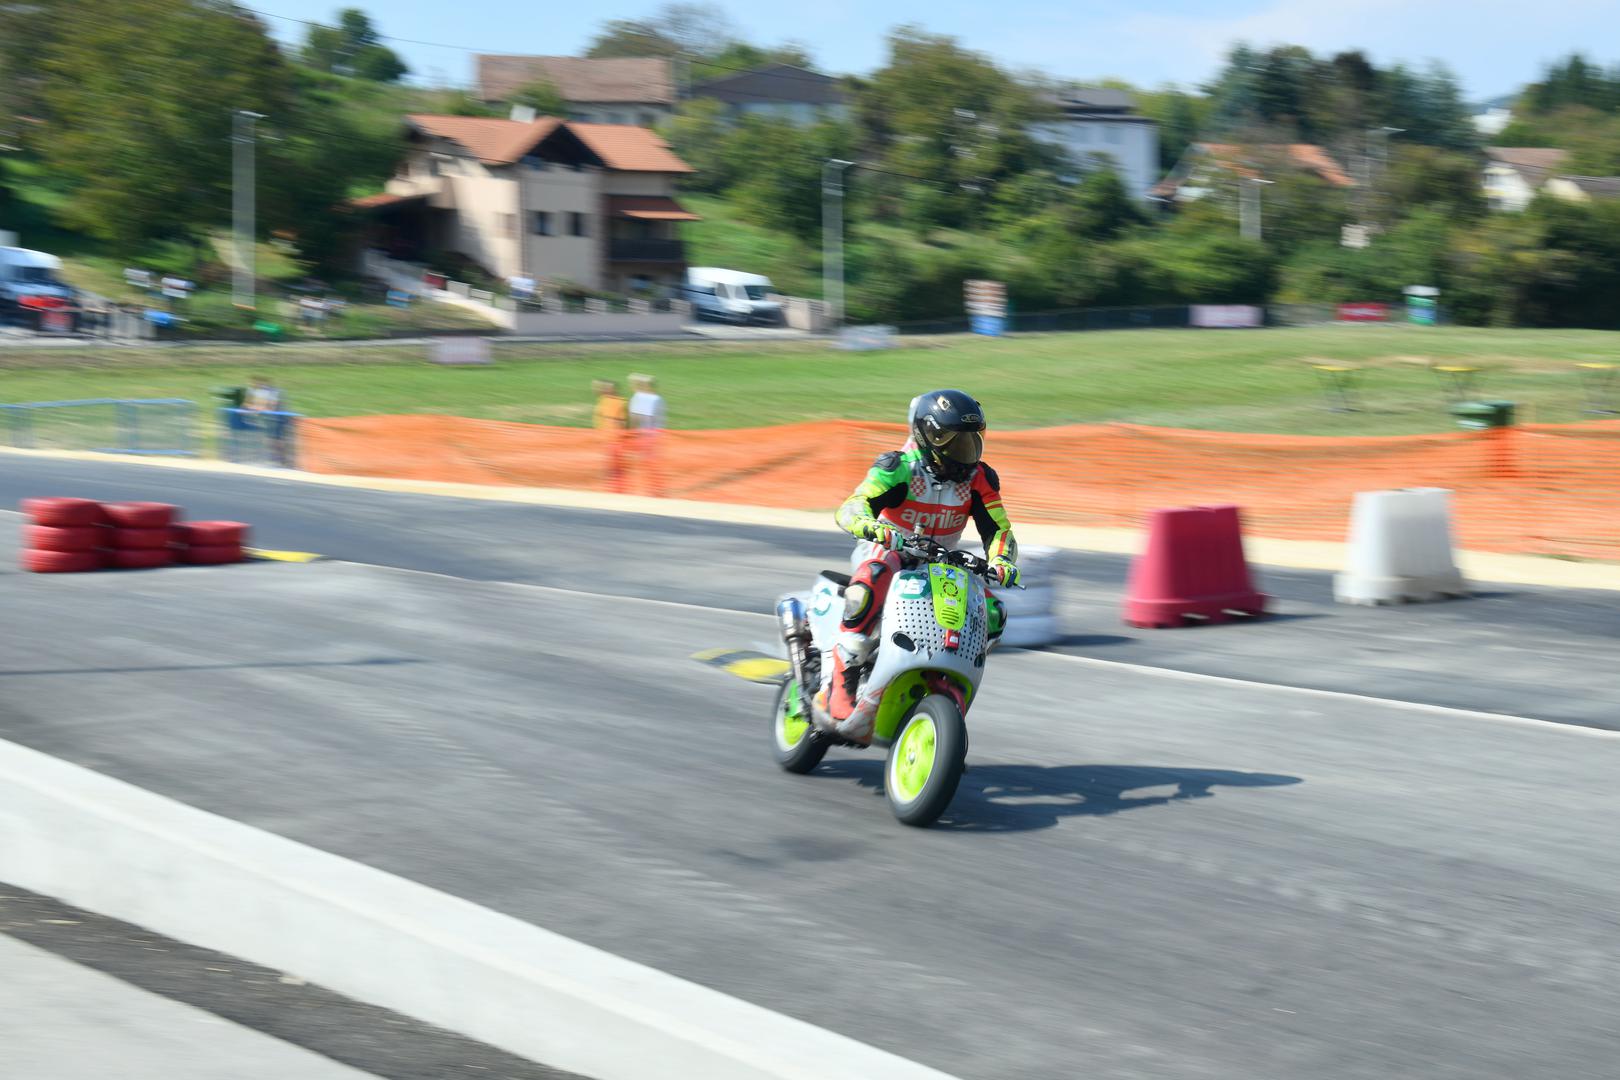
[[1193, 566]]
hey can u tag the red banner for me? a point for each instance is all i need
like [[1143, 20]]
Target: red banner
[[1363, 312]]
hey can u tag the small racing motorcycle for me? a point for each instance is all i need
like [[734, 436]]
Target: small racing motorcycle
[[923, 675]]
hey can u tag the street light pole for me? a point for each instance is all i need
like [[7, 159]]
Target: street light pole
[[242, 161], [1374, 192], [1249, 226], [832, 238]]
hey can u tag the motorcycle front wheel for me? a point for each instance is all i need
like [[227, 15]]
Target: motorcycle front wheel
[[799, 747], [926, 760]]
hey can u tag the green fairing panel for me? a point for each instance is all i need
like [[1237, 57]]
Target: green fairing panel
[[950, 596], [908, 688]]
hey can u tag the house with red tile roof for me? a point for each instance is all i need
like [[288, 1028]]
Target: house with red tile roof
[[1204, 164], [542, 198]]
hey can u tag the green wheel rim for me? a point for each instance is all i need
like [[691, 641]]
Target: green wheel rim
[[791, 726], [914, 758]]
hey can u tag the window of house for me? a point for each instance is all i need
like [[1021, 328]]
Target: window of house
[[648, 119], [542, 223], [1113, 134], [576, 225]]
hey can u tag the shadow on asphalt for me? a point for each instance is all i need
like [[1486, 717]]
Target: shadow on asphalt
[[1021, 798], [375, 662]]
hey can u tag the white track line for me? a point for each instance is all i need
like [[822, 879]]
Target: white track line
[[1114, 665], [1338, 695]]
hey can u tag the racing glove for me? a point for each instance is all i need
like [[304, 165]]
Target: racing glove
[[885, 535], [1005, 572]]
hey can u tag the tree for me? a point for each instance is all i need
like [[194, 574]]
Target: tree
[[26, 31], [543, 97], [778, 170], [378, 63], [702, 135], [629, 38], [696, 30], [743, 56], [1180, 116], [155, 166], [951, 118], [352, 47], [1101, 208], [1424, 177], [154, 163]]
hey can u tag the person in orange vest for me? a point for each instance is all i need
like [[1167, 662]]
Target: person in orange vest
[[611, 416]]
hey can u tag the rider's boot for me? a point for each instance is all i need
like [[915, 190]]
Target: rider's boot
[[850, 655]]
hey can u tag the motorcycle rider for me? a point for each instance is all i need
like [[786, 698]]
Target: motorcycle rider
[[931, 486]]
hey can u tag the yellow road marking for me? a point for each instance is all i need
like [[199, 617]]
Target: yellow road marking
[[282, 556], [745, 664]]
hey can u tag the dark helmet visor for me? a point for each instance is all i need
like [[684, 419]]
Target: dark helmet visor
[[962, 447]]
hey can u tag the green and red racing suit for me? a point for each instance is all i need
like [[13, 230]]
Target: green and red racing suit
[[901, 492]]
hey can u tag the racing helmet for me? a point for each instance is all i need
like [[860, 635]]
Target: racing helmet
[[948, 427]]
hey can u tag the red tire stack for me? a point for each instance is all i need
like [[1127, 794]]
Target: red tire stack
[[210, 543], [139, 534], [64, 536]]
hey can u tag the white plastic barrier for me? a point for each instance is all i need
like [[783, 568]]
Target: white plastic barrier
[[1400, 549], [1032, 618]]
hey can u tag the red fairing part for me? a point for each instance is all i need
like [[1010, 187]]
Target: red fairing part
[[944, 684]]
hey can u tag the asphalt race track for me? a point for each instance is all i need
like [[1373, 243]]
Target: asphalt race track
[[1147, 873]]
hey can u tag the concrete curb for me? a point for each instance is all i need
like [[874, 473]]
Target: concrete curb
[[110, 847], [1282, 554]]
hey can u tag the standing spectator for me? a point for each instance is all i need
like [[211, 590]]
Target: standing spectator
[[264, 400], [647, 427], [612, 418]]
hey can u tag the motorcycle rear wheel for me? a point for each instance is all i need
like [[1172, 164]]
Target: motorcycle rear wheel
[[798, 746], [926, 761]]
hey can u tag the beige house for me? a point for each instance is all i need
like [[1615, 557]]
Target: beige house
[[1583, 188], [552, 200], [1513, 174], [619, 90]]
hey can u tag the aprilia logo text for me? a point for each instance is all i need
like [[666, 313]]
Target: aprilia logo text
[[945, 519]]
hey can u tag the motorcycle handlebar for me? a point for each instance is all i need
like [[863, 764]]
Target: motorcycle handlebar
[[931, 550]]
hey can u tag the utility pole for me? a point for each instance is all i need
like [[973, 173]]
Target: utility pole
[[244, 280], [832, 238], [1249, 207], [1373, 191]]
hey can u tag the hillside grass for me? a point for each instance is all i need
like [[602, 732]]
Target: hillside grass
[[1259, 381]]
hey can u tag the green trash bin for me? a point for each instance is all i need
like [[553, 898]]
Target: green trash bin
[[1483, 415], [268, 330]]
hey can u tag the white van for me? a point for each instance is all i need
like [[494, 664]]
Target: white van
[[29, 273], [731, 296]]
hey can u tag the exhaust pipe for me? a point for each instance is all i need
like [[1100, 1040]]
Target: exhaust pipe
[[795, 626]]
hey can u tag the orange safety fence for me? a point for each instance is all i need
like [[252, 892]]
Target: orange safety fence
[[1542, 488]]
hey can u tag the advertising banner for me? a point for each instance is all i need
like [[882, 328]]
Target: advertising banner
[[1363, 313], [1226, 316]]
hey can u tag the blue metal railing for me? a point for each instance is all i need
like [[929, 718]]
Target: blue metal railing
[[160, 426], [259, 437]]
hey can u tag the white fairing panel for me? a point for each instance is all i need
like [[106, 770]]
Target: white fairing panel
[[910, 611]]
